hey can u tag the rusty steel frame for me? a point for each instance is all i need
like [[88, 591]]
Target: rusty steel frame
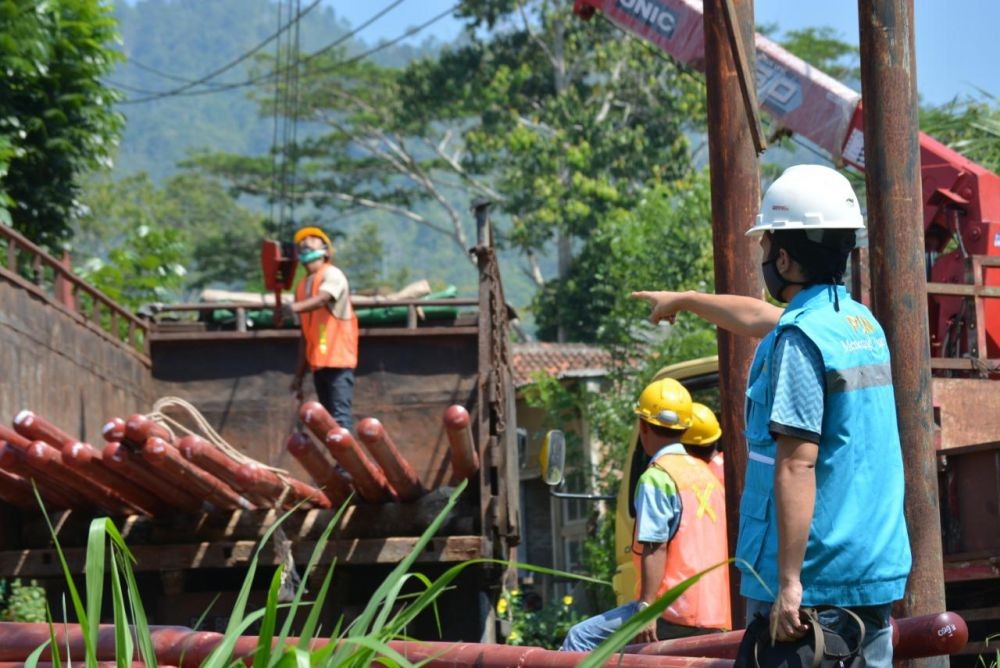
[[735, 200], [896, 254]]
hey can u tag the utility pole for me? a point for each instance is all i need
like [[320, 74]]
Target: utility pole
[[899, 284], [735, 200]]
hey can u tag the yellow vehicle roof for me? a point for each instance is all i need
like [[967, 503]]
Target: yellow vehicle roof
[[689, 368]]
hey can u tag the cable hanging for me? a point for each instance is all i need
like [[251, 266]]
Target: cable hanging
[[278, 72]]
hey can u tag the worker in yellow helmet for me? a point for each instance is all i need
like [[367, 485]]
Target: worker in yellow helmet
[[329, 344], [703, 435], [679, 530]]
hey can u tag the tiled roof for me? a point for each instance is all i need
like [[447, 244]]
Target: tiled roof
[[562, 360]]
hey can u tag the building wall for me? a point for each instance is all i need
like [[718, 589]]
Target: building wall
[[62, 370]]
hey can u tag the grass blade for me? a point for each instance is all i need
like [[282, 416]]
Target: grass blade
[[124, 648], [262, 656], [139, 622], [630, 628], [366, 617], [317, 552], [312, 621], [94, 574], [90, 655]]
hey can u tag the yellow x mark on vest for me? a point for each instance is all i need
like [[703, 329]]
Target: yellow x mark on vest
[[704, 497]]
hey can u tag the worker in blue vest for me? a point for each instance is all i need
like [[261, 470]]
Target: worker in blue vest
[[821, 518]]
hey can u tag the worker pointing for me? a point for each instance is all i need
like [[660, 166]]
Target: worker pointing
[[821, 519], [329, 344]]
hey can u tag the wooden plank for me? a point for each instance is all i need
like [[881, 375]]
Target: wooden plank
[[40, 563], [963, 290], [980, 614], [159, 337], [964, 570]]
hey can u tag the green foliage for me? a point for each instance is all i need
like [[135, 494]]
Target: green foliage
[[665, 243], [147, 266], [56, 117], [144, 243], [21, 602], [825, 49], [969, 125], [536, 623]]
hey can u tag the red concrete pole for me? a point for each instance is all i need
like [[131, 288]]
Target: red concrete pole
[[139, 429], [118, 457], [168, 462], [397, 470], [366, 476], [464, 458], [899, 284], [35, 428], [86, 460], [172, 643], [322, 470], [317, 419], [732, 162], [113, 430], [267, 484], [16, 491], [205, 455], [48, 462], [13, 462]]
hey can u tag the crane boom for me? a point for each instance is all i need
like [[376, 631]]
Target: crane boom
[[961, 198]]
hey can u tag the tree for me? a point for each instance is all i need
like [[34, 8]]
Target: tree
[[188, 234], [969, 125], [665, 243], [562, 122], [56, 117]]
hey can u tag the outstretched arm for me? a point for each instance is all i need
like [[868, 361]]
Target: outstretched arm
[[739, 314]]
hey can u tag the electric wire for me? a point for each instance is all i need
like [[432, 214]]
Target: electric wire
[[335, 66], [233, 63]]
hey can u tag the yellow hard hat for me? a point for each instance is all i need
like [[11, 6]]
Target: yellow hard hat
[[665, 403], [304, 232], [705, 429]]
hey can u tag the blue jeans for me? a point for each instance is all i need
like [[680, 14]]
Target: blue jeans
[[335, 390], [878, 632], [590, 633]]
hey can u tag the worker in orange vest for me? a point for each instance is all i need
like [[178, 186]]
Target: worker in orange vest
[[329, 344], [705, 433], [679, 530]]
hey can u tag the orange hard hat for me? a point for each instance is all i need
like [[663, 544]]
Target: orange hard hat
[[304, 232]]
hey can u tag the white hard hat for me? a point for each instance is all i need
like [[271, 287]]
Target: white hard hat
[[809, 197]]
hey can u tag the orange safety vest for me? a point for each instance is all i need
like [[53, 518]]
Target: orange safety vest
[[330, 341], [700, 542], [718, 468]]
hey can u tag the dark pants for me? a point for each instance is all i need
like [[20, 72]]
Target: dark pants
[[335, 390]]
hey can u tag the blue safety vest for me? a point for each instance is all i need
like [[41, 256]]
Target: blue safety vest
[[858, 552]]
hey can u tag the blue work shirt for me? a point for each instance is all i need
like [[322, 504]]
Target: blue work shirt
[[858, 552], [657, 502]]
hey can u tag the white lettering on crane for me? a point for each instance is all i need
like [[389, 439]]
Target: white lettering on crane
[[652, 13], [777, 87]]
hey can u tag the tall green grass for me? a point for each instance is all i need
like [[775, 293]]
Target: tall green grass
[[391, 608], [360, 643]]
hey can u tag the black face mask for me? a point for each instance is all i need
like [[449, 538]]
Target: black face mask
[[773, 280]]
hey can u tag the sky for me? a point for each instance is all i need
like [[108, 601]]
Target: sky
[[955, 38]]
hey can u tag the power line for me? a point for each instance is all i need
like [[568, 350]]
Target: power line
[[335, 66], [160, 73], [231, 64]]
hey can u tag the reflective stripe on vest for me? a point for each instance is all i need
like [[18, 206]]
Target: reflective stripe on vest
[[700, 542], [858, 553], [330, 341]]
